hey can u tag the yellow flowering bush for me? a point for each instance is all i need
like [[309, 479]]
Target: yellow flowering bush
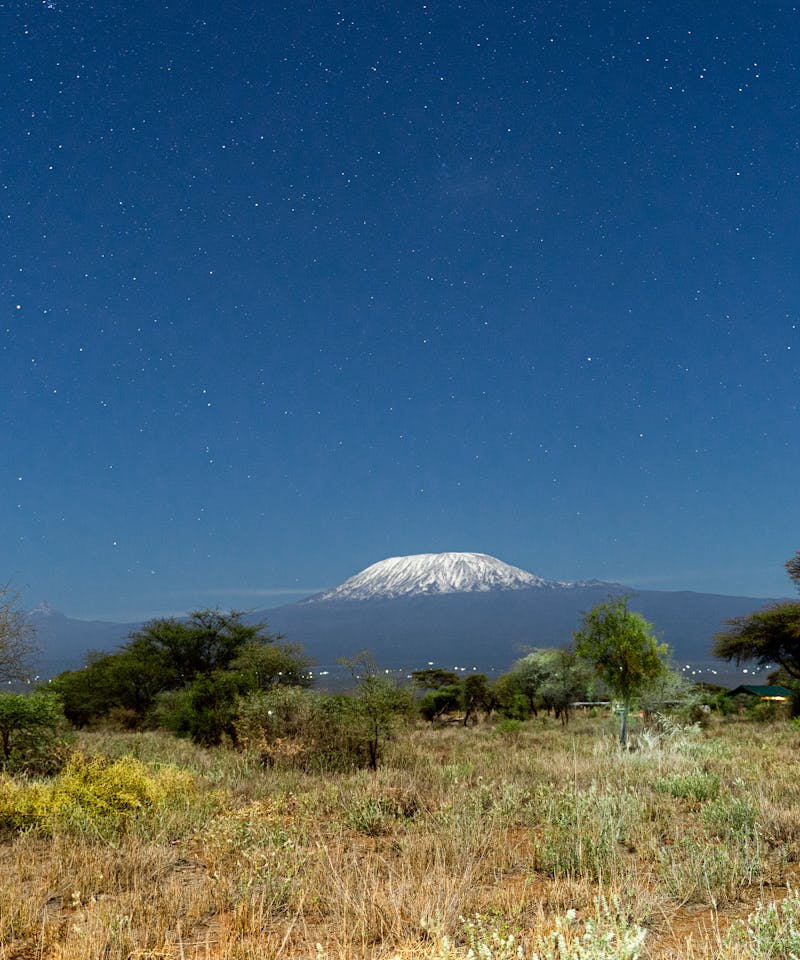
[[93, 789]]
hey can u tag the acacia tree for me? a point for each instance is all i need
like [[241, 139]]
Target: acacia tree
[[205, 641], [624, 652], [436, 703], [770, 635], [527, 676], [16, 637], [551, 678], [793, 569], [432, 678]]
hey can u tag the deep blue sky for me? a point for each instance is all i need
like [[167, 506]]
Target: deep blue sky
[[289, 289]]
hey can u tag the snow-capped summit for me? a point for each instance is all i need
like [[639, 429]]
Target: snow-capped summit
[[43, 609], [424, 574]]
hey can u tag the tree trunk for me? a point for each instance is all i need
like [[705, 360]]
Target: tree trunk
[[623, 727]]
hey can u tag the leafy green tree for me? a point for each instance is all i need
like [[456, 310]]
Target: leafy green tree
[[565, 679], [266, 665], [207, 640], [185, 675], [625, 654], [27, 723], [768, 636], [109, 682], [432, 678], [475, 696], [379, 706], [206, 710], [16, 637], [549, 678], [530, 673], [508, 699], [436, 703]]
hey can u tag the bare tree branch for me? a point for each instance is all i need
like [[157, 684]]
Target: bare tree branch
[[16, 637]]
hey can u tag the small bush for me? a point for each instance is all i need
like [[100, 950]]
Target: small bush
[[732, 818], [31, 736], [695, 785], [509, 729], [765, 711], [772, 932], [90, 790], [609, 935]]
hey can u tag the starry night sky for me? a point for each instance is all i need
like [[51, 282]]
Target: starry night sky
[[287, 289]]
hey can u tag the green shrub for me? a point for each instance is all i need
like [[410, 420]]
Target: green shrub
[[508, 728], [204, 711], [732, 818], [696, 785], [765, 711], [30, 741]]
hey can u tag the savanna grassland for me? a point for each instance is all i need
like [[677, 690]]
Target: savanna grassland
[[492, 842]]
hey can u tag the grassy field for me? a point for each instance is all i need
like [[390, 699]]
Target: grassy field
[[486, 843]]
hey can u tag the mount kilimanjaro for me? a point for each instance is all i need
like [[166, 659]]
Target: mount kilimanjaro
[[455, 609], [429, 574], [470, 609]]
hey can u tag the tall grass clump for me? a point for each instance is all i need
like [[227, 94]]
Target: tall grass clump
[[584, 834], [718, 857]]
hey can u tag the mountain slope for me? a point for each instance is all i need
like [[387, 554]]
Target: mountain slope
[[63, 642]]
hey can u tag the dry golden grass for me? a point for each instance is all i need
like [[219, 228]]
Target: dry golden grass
[[684, 835]]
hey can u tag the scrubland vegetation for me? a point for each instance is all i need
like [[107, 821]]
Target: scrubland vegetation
[[502, 840], [206, 803]]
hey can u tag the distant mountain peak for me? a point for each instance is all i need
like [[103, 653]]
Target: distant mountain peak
[[428, 574], [44, 609]]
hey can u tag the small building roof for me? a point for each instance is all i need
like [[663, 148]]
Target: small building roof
[[765, 692]]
